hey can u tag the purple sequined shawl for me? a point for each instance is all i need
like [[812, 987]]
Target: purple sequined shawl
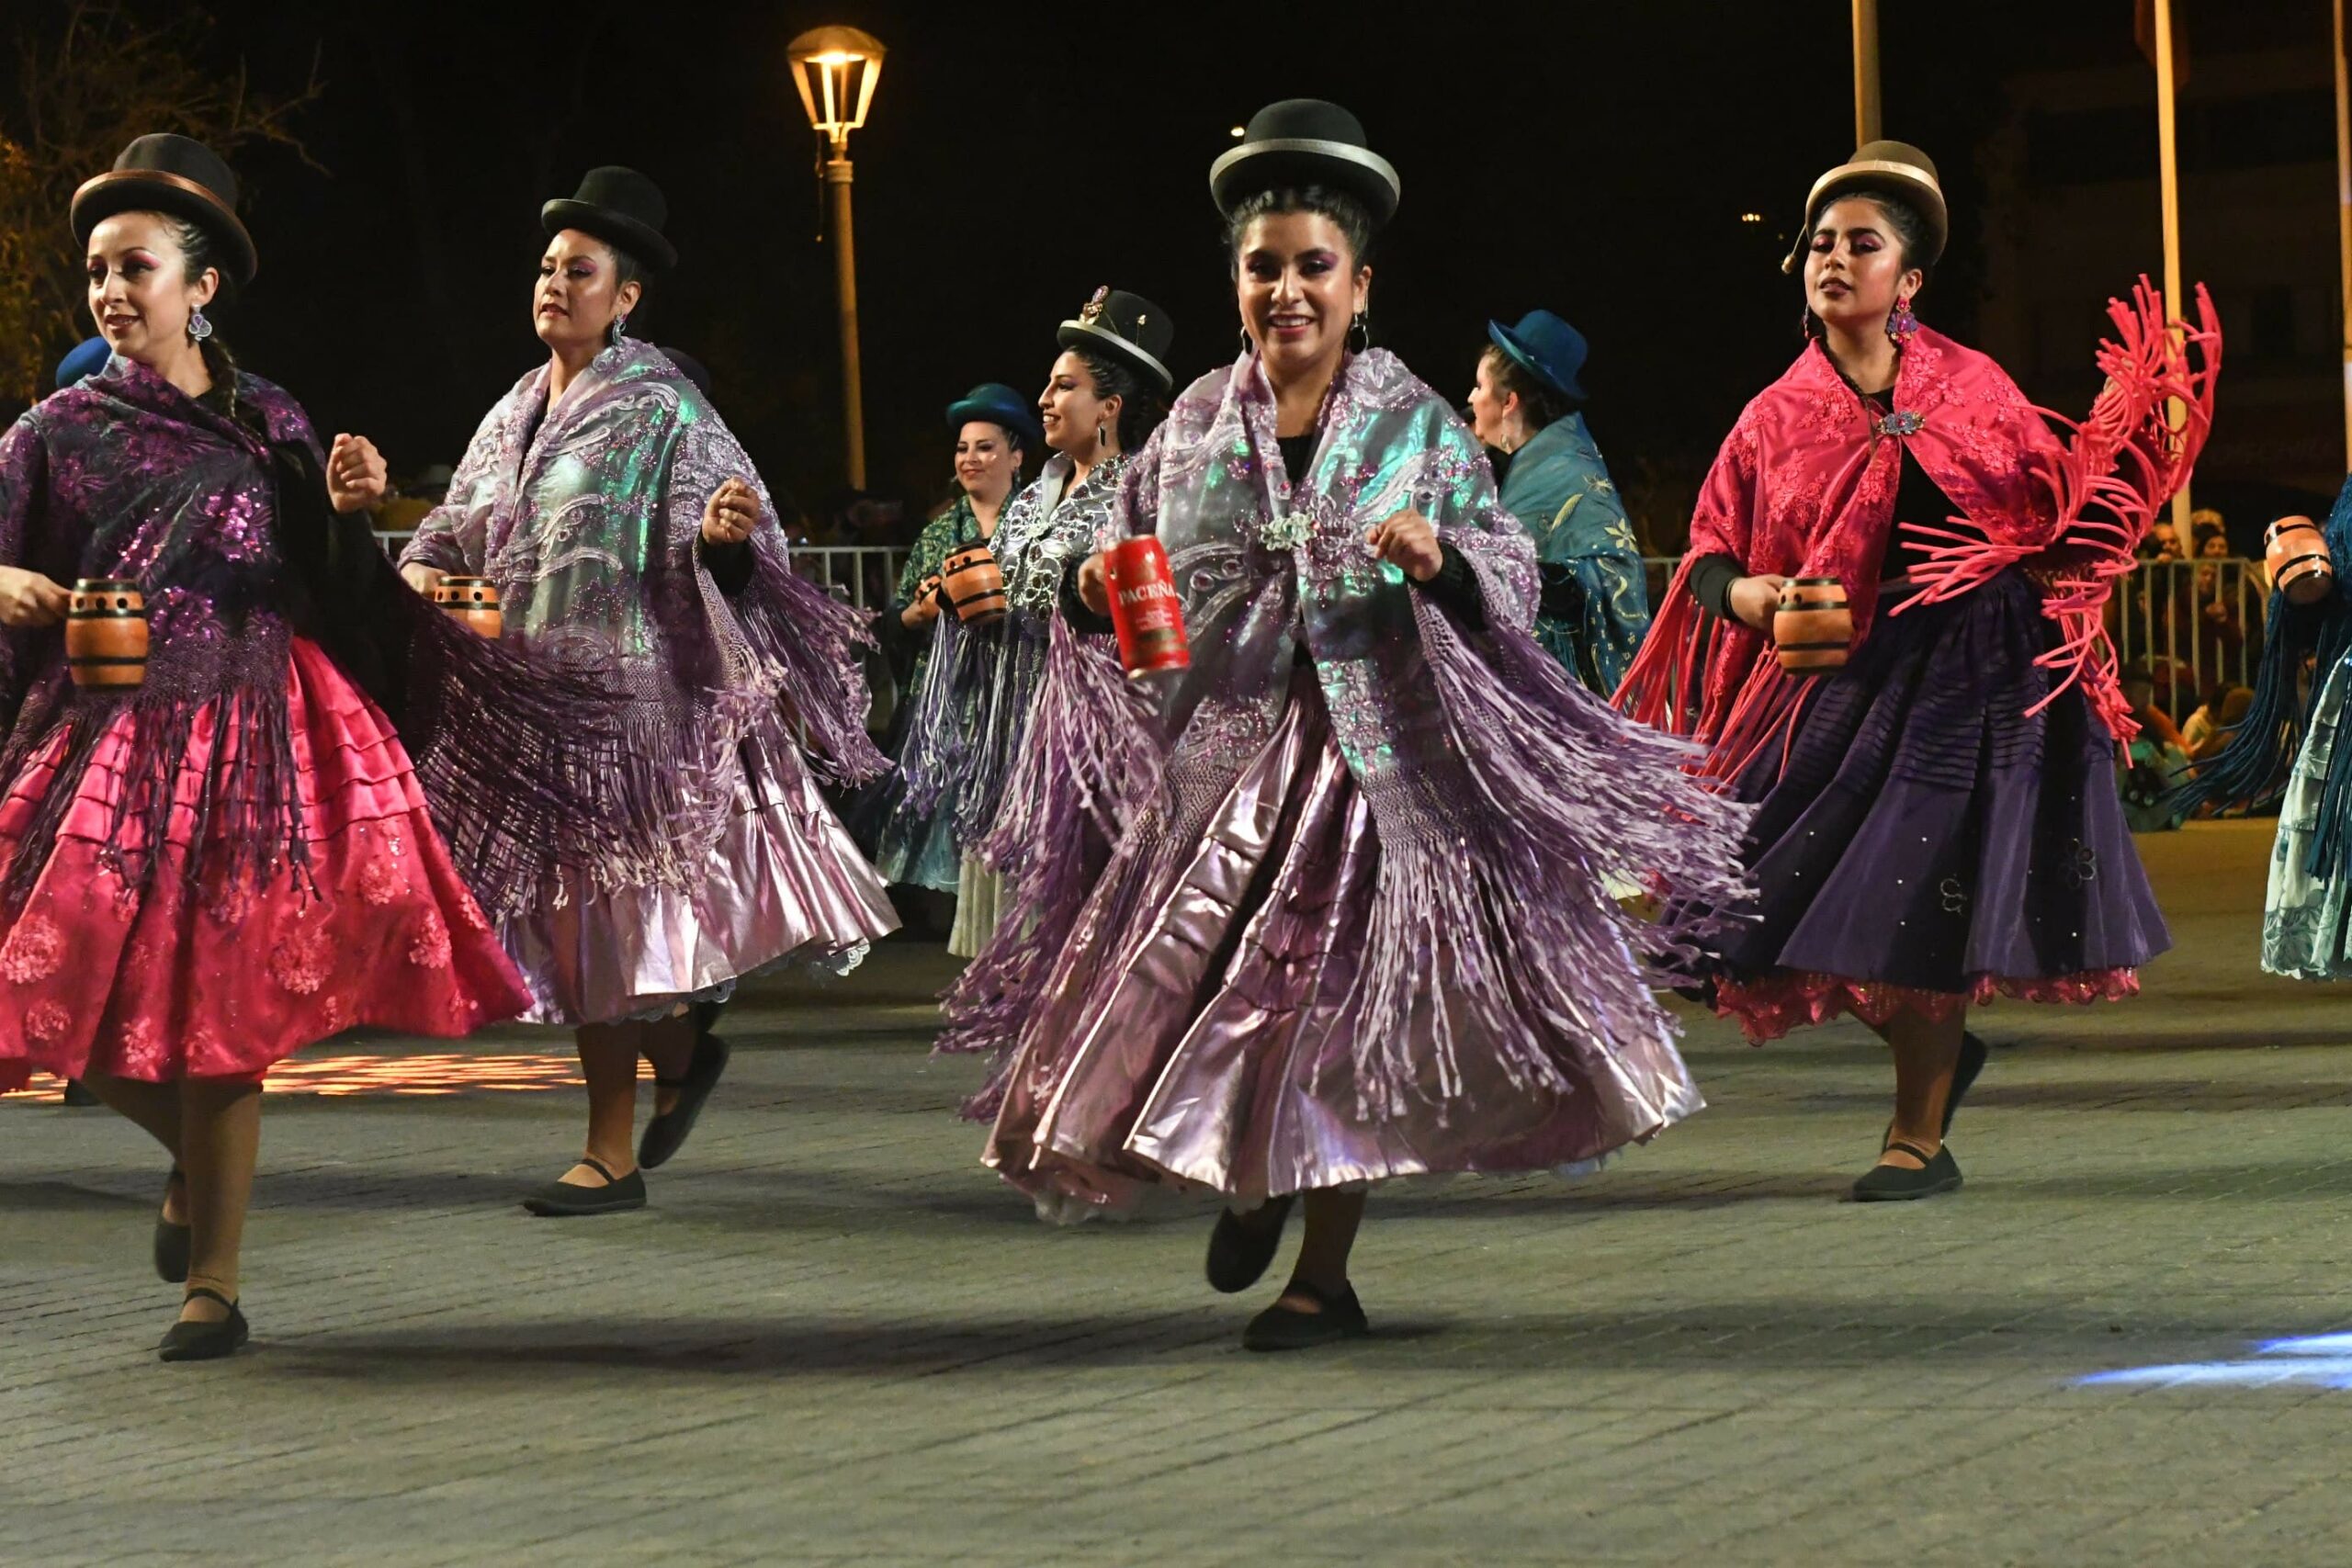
[[588, 516], [1505, 796], [123, 475]]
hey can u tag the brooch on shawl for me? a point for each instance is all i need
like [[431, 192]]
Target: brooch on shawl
[[1287, 532], [1908, 421]]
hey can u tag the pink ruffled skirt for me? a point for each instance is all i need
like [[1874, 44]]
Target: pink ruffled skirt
[[214, 981]]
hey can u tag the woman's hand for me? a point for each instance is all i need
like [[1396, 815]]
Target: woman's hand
[[1094, 584], [28, 599], [923, 608], [732, 512], [1410, 540], [356, 477], [422, 577], [1754, 599]]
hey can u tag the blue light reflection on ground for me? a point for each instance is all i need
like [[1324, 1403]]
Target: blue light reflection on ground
[[2316, 1360]]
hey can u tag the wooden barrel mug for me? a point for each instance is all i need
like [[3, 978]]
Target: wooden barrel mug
[[975, 585], [472, 602], [2295, 552], [1813, 629], [105, 633]]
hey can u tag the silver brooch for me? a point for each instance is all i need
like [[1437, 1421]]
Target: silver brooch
[[1906, 422], [1287, 532]]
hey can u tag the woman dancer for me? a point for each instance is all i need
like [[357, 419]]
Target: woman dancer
[[619, 518], [1938, 821], [2290, 736], [996, 429], [1362, 930], [1528, 402], [204, 872], [1106, 392]]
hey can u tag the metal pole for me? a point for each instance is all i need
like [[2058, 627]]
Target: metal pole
[[2344, 222], [837, 176], [1866, 110], [2169, 179]]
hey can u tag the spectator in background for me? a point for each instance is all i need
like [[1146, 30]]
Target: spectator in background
[[2205, 524], [2156, 761], [2140, 691], [2216, 720]]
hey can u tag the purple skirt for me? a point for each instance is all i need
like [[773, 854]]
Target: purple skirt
[[1207, 1034], [1929, 845]]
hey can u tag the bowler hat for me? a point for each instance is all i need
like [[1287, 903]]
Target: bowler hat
[[1304, 141], [1897, 167], [621, 208], [88, 358], [1128, 328], [163, 173]]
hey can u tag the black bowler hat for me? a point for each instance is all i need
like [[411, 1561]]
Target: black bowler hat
[[1127, 327], [996, 403], [165, 172], [1897, 167], [1304, 141], [621, 208], [1547, 348]]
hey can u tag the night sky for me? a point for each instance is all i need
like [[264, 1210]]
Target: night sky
[[1589, 158]]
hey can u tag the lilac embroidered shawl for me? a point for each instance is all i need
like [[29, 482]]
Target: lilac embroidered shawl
[[1504, 795], [588, 516]]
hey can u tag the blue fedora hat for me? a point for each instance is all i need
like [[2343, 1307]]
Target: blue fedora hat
[[88, 359], [997, 403], [1546, 348]]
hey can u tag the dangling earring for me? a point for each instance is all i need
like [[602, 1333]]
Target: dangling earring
[[1361, 331], [199, 328], [1102, 439], [620, 328], [1900, 325], [1809, 325], [1244, 343]]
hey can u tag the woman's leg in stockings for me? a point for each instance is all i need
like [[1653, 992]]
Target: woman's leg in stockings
[[669, 1045], [219, 1138], [608, 1053], [1926, 1050], [155, 1108], [1332, 1216]]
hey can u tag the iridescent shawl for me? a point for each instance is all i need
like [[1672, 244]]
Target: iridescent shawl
[[122, 475], [1503, 794], [589, 518], [1805, 485], [1559, 488], [970, 726]]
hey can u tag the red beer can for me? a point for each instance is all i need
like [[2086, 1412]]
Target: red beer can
[[1145, 610]]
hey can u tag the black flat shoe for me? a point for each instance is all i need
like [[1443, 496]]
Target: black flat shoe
[[666, 1133], [77, 1093], [172, 1242], [1963, 1074], [1896, 1184], [1286, 1328], [560, 1199], [1242, 1245], [206, 1341]]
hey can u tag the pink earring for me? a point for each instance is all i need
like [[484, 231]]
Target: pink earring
[[1900, 325]]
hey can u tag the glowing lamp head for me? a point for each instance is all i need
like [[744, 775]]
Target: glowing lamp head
[[835, 69]]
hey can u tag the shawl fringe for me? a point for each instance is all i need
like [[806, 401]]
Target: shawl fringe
[[2105, 484], [806, 644]]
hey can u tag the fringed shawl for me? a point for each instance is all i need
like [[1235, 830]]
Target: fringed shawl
[[1503, 794], [588, 516], [1559, 488], [125, 475], [1805, 484]]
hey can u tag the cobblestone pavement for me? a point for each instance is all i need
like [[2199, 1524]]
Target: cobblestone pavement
[[834, 1339]]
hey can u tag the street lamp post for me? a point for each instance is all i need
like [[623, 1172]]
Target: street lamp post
[[836, 69]]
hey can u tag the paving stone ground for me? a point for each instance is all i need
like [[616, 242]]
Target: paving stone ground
[[834, 1339]]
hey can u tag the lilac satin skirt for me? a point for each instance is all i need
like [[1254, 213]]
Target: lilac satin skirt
[[1210, 1040], [784, 884]]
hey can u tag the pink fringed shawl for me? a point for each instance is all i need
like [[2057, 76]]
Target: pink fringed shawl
[[1805, 486]]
